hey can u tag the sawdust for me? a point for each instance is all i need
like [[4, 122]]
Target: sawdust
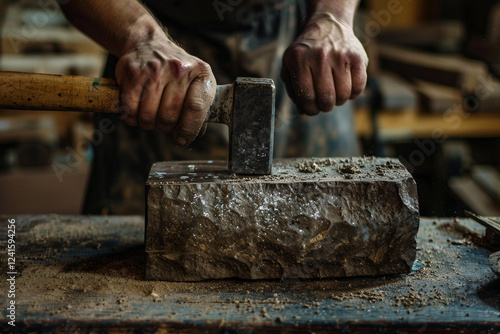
[[109, 280], [115, 282], [372, 296]]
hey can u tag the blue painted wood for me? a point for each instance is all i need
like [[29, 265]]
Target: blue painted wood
[[87, 274]]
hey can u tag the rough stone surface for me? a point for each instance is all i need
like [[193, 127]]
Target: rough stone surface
[[312, 218]]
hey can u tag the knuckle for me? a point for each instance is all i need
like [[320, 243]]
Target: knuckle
[[359, 63], [322, 56], [129, 84], [198, 71], [195, 104], [130, 70], [326, 102], [155, 68], [175, 106], [179, 68], [147, 118], [342, 59], [167, 120], [293, 54], [204, 67], [356, 59], [296, 52]]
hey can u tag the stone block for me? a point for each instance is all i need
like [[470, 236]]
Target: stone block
[[312, 218]]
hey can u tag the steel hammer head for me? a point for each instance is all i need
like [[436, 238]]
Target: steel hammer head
[[247, 107]]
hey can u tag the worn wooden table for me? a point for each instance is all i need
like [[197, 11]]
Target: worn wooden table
[[86, 274]]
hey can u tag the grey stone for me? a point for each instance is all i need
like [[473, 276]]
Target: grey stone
[[312, 218]]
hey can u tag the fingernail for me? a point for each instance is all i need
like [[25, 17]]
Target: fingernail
[[181, 141]]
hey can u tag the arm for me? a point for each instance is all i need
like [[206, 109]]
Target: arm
[[326, 65], [160, 84]]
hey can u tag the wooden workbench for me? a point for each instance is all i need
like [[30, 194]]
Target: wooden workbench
[[86, 274]]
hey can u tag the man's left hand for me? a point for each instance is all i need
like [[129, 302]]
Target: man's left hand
[[325, 66]]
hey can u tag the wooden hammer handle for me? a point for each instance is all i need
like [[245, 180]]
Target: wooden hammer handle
[[32, 91]]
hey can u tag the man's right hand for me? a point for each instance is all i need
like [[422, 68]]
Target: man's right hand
[[162, 86]]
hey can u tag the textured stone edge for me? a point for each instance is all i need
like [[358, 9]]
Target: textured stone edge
[[157, 262]]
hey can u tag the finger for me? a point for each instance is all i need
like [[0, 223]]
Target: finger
[[324, 86], [171, 106], [285, 77], [149, 104], [301, 82], [130, 98], [358, 77], [198, 99], [343, 84]]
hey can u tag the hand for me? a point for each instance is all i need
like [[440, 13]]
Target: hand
[[162, 86], [325, 66]]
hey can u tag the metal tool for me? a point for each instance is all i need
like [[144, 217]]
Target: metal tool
[[493, 224], [246, 106]]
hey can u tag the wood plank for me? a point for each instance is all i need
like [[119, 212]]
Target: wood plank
[[87, 273], [414, 124], [76, 64], [57, 39], [488, 178], [435, 98], [473, 196], [440, 35], [487, 51], [455, 71]]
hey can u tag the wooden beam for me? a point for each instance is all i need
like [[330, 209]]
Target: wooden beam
[[452, 71], [415, 124]]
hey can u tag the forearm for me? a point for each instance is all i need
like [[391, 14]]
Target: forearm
[[118, 25], [161, 85], [341, 10]]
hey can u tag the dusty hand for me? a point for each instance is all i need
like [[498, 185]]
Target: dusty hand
[[162, 86], [325, 66]]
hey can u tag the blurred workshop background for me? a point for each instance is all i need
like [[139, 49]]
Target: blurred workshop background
[[433, 101]]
